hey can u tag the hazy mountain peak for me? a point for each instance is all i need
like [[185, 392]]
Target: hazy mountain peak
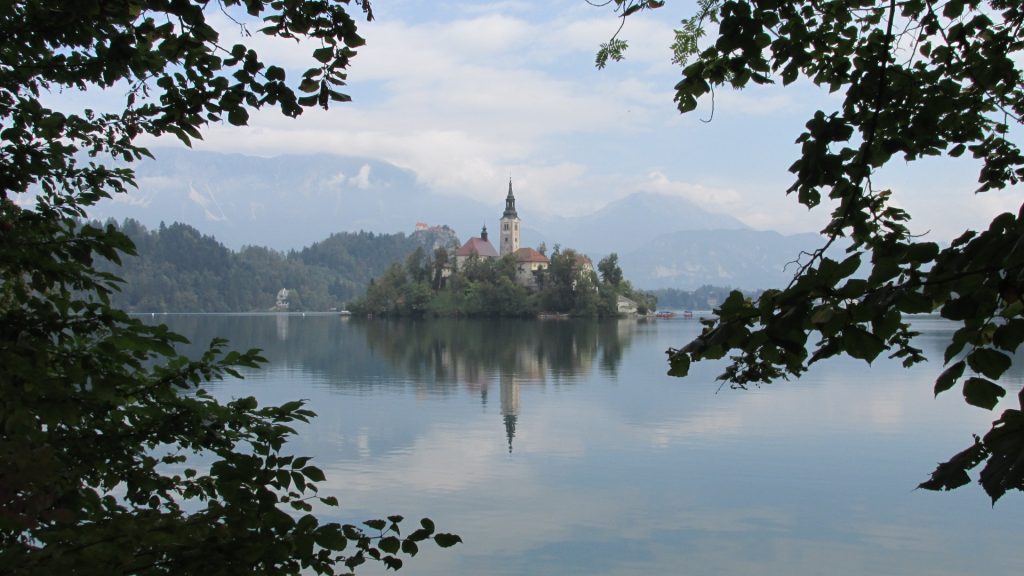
[[625, 224], [289, 202]]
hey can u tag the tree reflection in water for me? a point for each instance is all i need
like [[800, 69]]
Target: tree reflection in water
[[434, 357]]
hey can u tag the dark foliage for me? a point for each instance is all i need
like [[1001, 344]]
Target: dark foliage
[[113, 458], [917, 79]]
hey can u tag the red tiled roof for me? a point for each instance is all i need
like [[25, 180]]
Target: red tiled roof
[[482, 248], [530, 255]]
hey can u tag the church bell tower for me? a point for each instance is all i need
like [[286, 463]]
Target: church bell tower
[[509, 224]]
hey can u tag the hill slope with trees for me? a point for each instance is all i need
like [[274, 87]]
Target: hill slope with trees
[[178, 269]]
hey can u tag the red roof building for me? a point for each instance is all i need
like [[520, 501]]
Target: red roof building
[[529, 263], [529, 255], [481, 246]]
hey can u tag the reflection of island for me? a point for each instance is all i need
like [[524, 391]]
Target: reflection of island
[[475, 354], [436, 358]]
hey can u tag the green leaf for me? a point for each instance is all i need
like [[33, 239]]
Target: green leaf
[[860, 343], [307, 523], [313, 473], [324, 55], [275, 73], [949, 376], [238, 117], [1009, 336], [447, 540], [961, 308], [913, 302], [922, 252], [988, 362], [330, 537], [679, 364], [982, 393], [419, 535], [822, 315], [376, 524], [848, 266], [390, 544], [953, 473]]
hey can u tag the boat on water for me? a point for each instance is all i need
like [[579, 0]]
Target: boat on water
[[665, 314]]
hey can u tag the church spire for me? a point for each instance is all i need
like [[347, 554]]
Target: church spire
[[509, 224], [510, 203]]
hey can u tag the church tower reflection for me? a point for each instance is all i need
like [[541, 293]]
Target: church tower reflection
[[515, 356], [509, 388]]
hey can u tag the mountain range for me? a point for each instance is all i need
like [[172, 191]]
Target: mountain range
[[289, 202]]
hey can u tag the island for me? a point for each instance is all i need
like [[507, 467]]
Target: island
[[477, 280]]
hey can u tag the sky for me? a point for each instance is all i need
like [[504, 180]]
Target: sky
[[467, 94]]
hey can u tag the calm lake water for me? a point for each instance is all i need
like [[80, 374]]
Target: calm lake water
[[561, 448]]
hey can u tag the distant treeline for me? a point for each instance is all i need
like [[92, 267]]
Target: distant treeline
[[435, 285], [703, 298], [178, 269]]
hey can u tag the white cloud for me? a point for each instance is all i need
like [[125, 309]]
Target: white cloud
[[444, 460], [714, 199], [362, 179], [459, 103], [463, 97]]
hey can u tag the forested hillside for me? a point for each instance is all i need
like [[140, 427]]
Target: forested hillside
[[178, 269]]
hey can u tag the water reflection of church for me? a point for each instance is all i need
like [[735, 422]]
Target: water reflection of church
[[443, 355], [525, 368], [508, 386]]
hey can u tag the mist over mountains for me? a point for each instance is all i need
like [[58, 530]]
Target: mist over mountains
[[284, 202], [290, 202]]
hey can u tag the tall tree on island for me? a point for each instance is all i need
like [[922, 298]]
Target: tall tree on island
[[918, 79], [101, 421]]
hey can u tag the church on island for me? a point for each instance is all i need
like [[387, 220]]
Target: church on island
[[528, 261]]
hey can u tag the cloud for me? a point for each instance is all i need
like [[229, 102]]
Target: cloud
[[461, 102], [446, 459], [362, 179], [714, 199], [463, 96]]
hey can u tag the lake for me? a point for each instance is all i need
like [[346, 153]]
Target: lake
[[561, 447]]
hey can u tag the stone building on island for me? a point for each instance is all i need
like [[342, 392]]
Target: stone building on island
[[529, 262], [478, 245]]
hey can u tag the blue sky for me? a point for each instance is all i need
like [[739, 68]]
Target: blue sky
[[467, 93]]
